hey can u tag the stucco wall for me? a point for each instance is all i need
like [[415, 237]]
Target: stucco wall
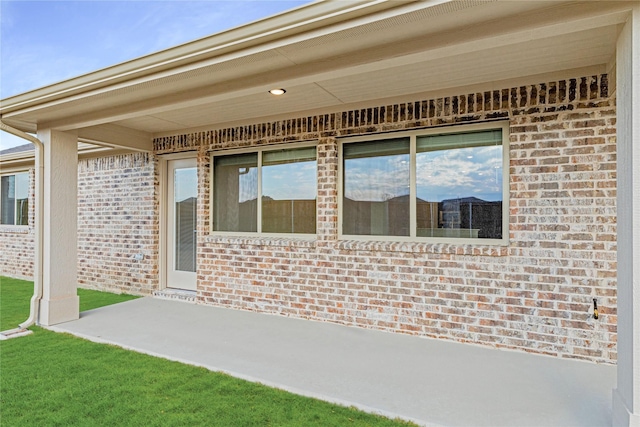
[[534, 295]]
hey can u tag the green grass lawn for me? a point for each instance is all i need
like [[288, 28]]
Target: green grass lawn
[[50, 379], [15, 296]]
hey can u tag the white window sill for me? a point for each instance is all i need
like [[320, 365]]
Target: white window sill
[[14, 229], [453, 248], [304, 242]]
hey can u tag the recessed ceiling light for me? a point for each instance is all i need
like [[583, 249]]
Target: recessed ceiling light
[[277, 91]]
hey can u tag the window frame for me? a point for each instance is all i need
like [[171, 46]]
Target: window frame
[[17, 172], [259, 151], [503, 126]]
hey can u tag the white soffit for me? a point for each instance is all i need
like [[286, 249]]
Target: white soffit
[[298, 98], [151, 124], [531, 58]]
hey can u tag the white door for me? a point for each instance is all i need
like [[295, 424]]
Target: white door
[[181, 223]]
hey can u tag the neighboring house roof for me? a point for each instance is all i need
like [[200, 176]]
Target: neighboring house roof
[[331, 55], [19, 149], [17, 157], [24, 155]]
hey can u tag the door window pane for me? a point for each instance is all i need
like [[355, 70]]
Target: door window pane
[[459, 185], [289, 191], [185, 197], [376, 188], [235, 183]]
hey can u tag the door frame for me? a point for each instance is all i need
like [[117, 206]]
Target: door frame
[[163, 199]]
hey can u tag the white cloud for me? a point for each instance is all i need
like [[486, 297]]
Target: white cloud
[[459, 173], [440, 175], [377, 179], [290, 181]]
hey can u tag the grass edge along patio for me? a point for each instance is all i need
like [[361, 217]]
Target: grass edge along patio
[[135, 389]]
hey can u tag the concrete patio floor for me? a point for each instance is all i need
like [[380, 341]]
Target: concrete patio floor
[[431, 382]]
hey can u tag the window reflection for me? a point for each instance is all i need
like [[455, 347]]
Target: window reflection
[[289, 191], [376, 188], [288, 181], [14, 203], [235, 199], [459, 185]]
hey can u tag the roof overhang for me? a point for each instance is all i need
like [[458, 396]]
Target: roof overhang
[[330, 56]]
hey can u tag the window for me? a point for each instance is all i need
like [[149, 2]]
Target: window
[[427, 184], [14, 199], [268, 191], [376, 188]]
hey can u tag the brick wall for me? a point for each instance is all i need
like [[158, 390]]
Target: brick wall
[[17, 242], [117, 220], [534, 295]]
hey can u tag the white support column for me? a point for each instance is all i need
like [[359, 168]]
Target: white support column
[[60, 302], [626, 397]]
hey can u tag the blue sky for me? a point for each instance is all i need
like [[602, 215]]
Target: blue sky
[[44, 42]]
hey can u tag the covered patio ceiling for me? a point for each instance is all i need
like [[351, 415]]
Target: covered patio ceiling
[[329, 57]]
